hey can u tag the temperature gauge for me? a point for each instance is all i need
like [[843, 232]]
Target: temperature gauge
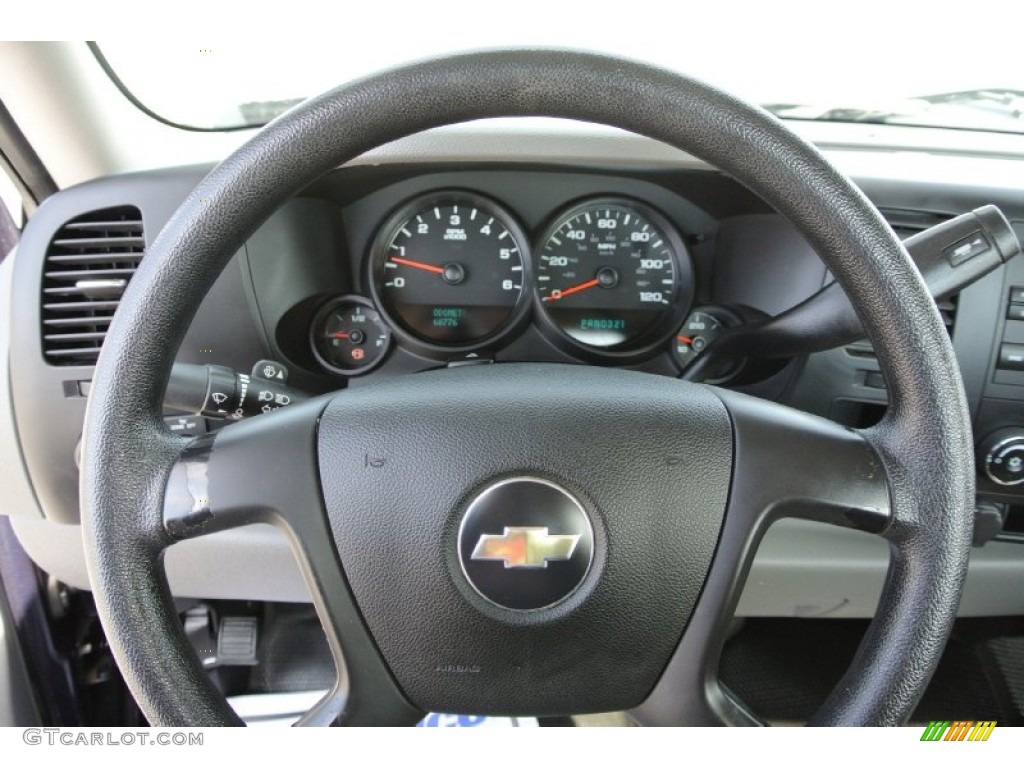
[[702, 327], [349, 336]]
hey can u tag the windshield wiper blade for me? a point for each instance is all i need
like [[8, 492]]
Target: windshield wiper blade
[[832, 114], [992, 109], [1009, 99]]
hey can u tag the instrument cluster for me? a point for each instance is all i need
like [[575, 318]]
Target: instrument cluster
[[452, 272]]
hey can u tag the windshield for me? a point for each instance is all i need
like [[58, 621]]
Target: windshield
[[900, 66]]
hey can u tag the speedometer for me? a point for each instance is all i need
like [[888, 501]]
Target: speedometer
[[613, 276], [449, 270]]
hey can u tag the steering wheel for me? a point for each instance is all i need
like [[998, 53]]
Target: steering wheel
[[526, 538]]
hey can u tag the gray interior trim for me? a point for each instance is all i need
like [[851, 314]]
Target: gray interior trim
[[18, 498], [563, 142], [802, 569], [808, 570], [253, 563]]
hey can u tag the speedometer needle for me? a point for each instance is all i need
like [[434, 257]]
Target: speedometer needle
[[556, 294], [418, 265]]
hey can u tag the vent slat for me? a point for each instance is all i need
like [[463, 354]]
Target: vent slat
[[71, 322], [80, 306], [90, 258], [89, 262], [947, 310], [80, 353], [99, 244], [111, 225], [912, 222], [89, 274], [74, 290], [90, 336]]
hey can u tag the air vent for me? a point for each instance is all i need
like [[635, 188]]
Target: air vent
[[88, 264], [906, 223], [947, 309]]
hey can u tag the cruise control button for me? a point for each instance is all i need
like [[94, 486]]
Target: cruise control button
[[186, 425], [966, 248]]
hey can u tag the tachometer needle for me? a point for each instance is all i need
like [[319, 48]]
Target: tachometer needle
[[338, 335], [556, 294], [418, 265], [684, 339]]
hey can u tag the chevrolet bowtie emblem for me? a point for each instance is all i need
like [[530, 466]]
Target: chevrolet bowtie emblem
[[525, 547]]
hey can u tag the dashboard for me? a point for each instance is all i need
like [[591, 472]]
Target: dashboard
[[617, 256]]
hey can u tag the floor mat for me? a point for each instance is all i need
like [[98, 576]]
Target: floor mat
[[784, 668], [293, 652]]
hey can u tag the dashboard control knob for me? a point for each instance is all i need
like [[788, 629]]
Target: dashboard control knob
[[1001, 456]]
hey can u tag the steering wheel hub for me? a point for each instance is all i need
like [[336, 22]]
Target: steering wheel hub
[[617, 517]]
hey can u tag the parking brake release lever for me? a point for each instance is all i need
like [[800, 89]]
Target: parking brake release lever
[[221, 393], [950, 256]]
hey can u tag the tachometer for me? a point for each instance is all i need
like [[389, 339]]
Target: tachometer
[[613, 276], [449, 271]]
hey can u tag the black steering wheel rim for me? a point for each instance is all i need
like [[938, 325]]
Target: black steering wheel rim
[[924, 442]]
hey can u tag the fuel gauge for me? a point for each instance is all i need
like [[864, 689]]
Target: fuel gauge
[[349, 336]]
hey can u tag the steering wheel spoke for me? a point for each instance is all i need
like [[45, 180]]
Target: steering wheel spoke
[[262, 470], [265, 470], [786, 464], [792, 464]]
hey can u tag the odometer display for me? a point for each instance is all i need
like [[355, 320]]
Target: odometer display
[[449, 270], [610, 275]]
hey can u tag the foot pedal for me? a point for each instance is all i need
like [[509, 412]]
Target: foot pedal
[[197, 629], [236, 641]]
